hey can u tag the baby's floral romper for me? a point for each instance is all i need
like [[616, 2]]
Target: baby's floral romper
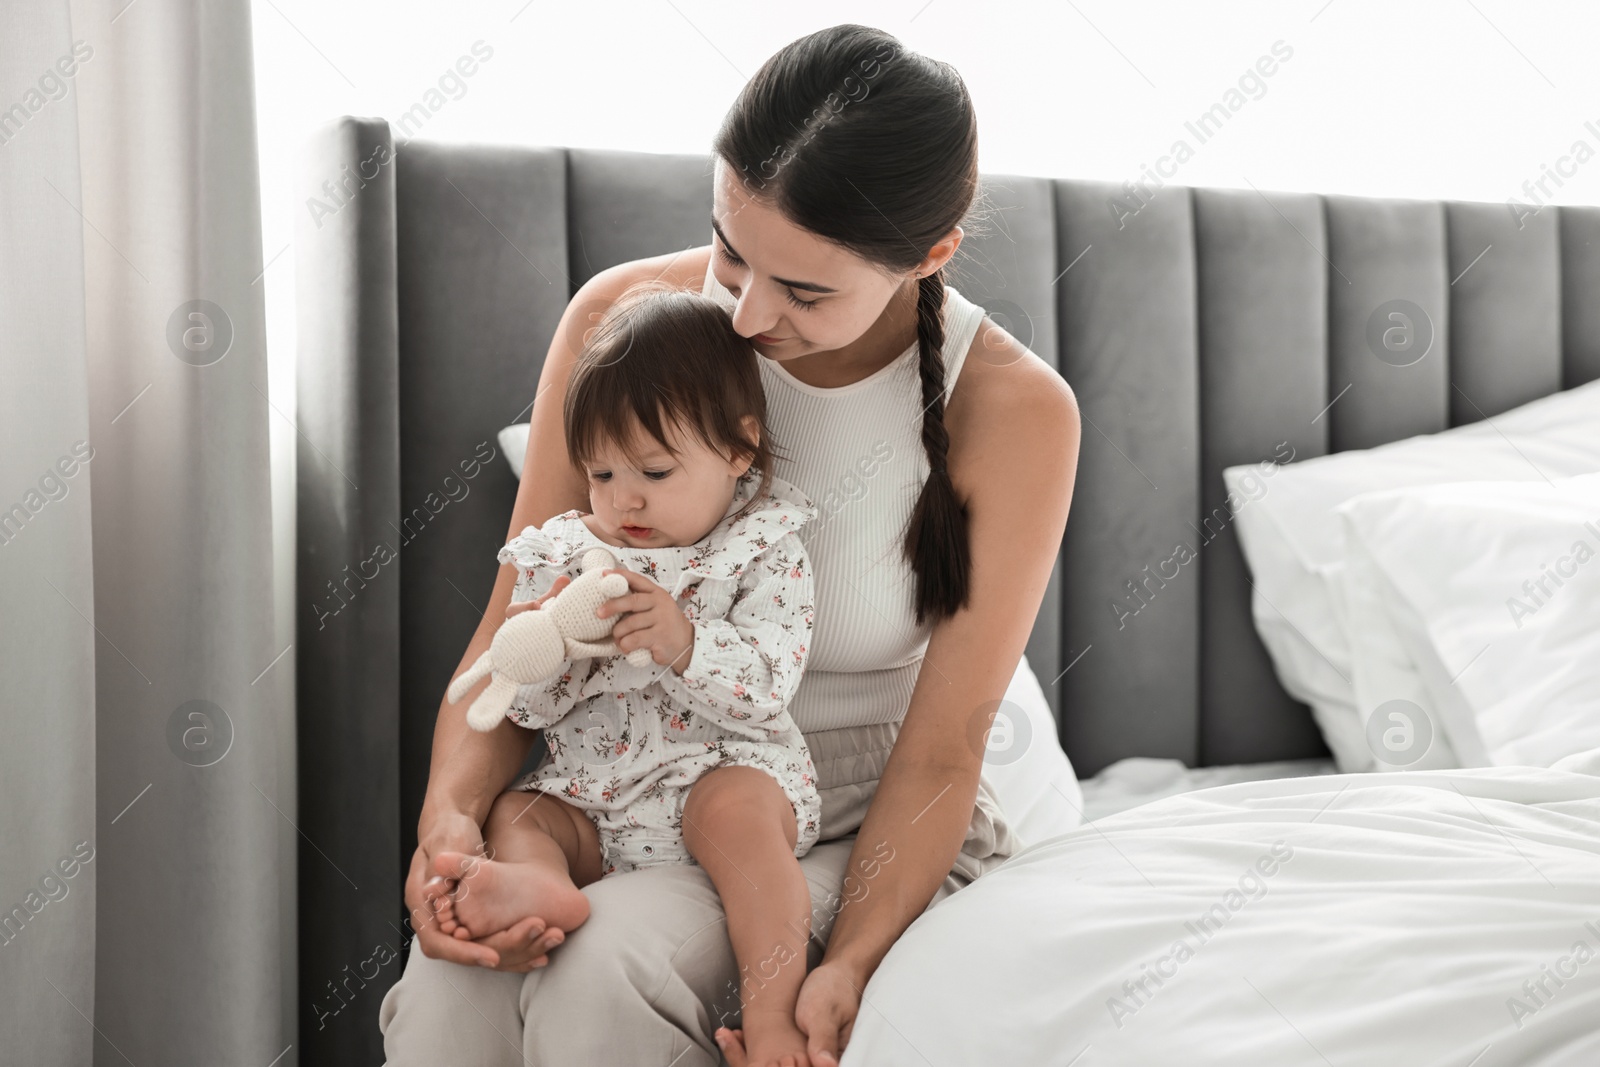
[[626, 743]]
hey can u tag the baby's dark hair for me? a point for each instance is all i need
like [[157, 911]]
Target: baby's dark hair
[[668, 356]]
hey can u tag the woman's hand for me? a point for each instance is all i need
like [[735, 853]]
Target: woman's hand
[[450, 832], [520, 948], [825, 1012], [731, 1042], [653, 620]]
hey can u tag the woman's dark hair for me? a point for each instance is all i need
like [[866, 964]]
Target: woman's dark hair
[[874, 147], [664, 355]]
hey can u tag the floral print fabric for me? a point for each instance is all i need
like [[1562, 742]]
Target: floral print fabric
[[625, 742]]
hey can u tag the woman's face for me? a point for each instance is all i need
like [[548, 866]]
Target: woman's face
[[777, 265], [660, 499]]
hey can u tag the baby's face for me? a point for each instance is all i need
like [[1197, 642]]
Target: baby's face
[[660, 499]]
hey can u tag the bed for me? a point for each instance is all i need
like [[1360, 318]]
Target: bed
[[1427, 918], [1214, 330]]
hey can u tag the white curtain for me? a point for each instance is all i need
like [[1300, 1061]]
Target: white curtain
[[147, 804]]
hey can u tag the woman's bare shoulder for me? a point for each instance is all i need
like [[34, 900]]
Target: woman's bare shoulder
[[1005, 393], [685, 269]]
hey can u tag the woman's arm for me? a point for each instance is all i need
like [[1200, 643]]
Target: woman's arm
[[1013, 459], [469, 769], [467, 772]]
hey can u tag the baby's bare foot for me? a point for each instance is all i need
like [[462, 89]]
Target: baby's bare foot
[[492, 895], [771, 1039], [444, 910]]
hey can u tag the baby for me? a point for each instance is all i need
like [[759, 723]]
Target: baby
[[693, 758]]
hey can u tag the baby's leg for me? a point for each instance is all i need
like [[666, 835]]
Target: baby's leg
[[739, 826], [543, 851]]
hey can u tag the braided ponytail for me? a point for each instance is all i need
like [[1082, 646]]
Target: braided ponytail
[[874, 147], [936, 536]]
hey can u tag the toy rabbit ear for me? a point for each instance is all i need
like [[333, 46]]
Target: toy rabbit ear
[[491, 705], [469, 678]]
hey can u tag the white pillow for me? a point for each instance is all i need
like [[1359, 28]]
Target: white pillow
[[1031, 775], [514, 443], [1496, 592], [1293, 544], [1407, 734]]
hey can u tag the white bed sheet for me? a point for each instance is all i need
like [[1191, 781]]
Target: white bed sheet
[[1141, 779], [1400, 928]]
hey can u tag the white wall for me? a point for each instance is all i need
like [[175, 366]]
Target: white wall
[[1459, 99]]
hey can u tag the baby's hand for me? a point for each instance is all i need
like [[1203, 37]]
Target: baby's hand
[[650, 619]]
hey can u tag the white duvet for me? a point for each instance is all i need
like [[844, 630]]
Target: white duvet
[[1424, 919]]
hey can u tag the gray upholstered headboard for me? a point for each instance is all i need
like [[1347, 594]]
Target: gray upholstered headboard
[[1199, 328]]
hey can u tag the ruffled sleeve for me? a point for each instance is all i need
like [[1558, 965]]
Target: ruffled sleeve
[[784, 510], [748, 660], [542, 554]]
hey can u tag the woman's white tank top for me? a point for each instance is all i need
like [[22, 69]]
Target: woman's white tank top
[[856, 451]]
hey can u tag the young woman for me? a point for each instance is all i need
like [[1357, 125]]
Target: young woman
[[844, 173]]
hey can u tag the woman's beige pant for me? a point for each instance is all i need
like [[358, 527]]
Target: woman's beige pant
[[651, 974]]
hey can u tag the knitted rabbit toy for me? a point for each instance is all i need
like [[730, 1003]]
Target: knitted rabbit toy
[[532, 646]]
